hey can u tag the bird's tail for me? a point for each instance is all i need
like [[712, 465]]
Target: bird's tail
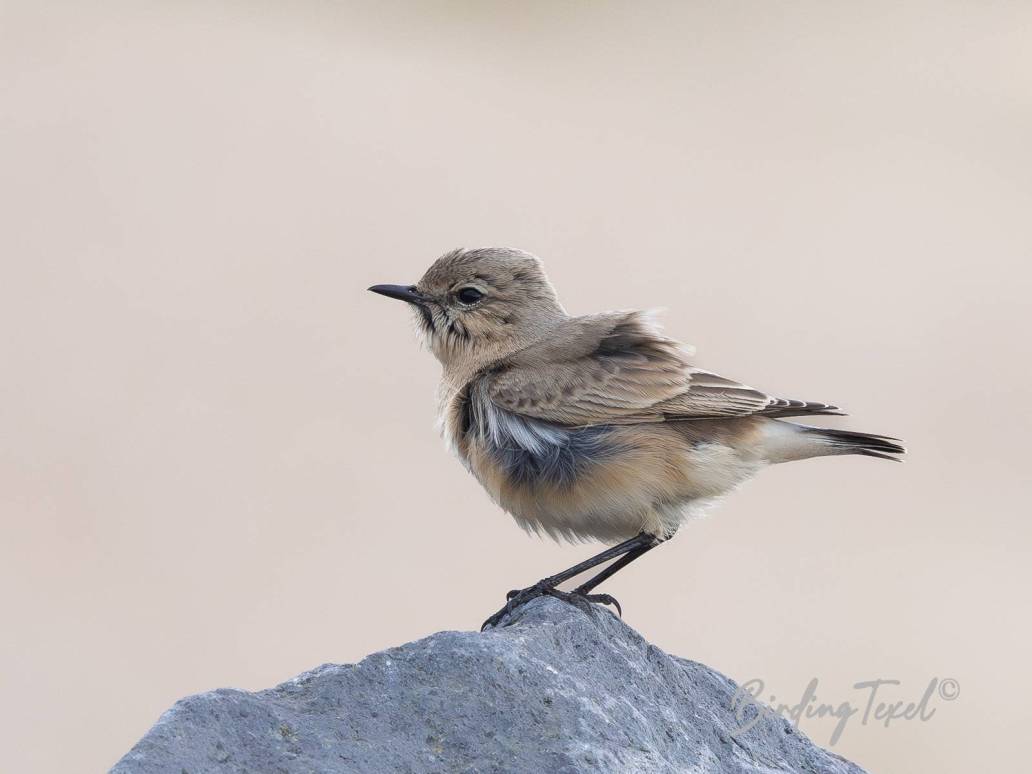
[[786, 441], [849, 442]]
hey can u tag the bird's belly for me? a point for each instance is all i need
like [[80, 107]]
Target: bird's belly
[[604, 483]]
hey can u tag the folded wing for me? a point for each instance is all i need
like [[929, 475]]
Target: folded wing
[[616, 368]]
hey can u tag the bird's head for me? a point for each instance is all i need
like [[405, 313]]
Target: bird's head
[[476, 306]]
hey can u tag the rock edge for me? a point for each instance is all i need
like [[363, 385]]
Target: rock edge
[[557, 690]]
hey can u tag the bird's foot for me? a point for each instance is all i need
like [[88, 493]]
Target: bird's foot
[[584, 601], [519, 597], [514, 599]]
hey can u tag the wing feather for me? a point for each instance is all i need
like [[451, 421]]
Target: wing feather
[[616, 368]]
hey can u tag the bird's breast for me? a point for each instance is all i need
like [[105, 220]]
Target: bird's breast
[[603, 481], [522, 451]]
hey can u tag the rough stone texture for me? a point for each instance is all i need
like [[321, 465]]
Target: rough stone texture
[[558, 690]]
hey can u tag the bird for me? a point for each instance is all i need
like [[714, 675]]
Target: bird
[[596, 427]]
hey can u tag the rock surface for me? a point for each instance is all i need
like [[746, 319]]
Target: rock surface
[[557, 690]]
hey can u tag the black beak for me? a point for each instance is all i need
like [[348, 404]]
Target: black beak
[[400, 292]]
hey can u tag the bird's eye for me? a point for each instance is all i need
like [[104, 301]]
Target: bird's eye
[[469, 295]]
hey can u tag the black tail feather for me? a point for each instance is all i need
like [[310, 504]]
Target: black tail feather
[[867, 444]]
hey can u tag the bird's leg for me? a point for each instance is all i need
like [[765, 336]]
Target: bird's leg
[[586, 588], [547, 586]]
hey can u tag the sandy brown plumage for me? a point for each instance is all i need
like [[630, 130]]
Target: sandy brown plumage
[[618, 368], [599, 426]]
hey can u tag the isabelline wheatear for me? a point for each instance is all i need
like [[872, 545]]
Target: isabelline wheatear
[[594, 427]]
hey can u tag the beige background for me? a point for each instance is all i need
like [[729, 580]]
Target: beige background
[[218, 465]]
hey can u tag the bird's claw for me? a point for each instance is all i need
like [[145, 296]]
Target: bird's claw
[[519, 597], [514, 599], [583, 601], [604, 599]]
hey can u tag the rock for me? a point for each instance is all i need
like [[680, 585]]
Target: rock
[[558, 690]]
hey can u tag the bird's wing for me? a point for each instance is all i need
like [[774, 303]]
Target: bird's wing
[[616, 368]]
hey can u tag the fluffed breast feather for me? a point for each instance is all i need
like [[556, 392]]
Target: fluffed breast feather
[[617, 368]]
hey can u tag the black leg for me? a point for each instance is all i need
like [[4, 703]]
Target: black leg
[[548, 585], [586, 588]]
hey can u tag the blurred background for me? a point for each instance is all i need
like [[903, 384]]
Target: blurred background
[[218, 461]]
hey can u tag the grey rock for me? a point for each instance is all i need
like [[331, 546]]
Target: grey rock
[[558, 690]]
